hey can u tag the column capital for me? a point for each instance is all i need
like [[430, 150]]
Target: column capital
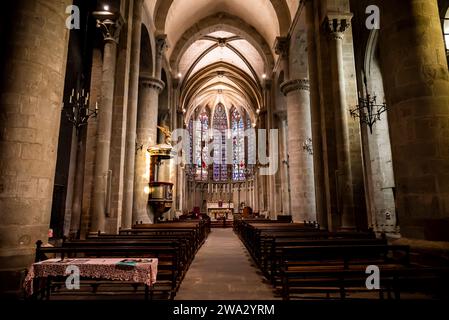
[[161, 44], [292, 85], [147, 80], [282, 46], [110, 25], [336, 24]]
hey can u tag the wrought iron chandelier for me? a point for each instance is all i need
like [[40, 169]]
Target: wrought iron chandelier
[[77, 111], [368, 111]]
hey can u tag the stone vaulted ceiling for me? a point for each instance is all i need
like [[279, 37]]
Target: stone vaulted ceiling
[[221, 50]]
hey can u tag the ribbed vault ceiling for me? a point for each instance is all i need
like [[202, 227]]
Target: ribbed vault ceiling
[[221, 50]]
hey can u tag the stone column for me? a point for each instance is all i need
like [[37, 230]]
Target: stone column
[[257, 193], [149, 90], [300, 162], [33, 67], [75, 219], [271, 179], [336, 26], [161, 47], [131, 121], [110, 26], [315, 112], [416, 82], [286, 200], [281, 48]]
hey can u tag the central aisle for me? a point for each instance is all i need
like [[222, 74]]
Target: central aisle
[[223, 270]]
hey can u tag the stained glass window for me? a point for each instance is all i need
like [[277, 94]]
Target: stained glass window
[[190, 168], [220, 123], [251, 144], [201, 149], [238, 145], [241, 147]]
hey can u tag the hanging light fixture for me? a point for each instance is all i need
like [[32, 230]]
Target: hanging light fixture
[[368, 111], [77, 111]]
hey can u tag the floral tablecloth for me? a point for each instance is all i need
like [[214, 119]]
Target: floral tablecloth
[[129, 269]]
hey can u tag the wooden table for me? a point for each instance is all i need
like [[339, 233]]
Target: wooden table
[[138, 270]]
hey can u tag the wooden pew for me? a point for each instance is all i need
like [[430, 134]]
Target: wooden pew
[[168, 263], [303, 259], [341, 268], [273, 254], [199, 228], [185, 241], [251, 233], [174, 244]]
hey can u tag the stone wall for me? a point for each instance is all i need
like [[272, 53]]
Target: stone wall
[[31, 88]]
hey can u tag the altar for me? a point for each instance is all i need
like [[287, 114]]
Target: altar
[[220, 210]]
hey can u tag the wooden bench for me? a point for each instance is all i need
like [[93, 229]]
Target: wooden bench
[[184, 240], [273, 252], [334, 268], [301, 258], [342, 269], [199, 229], [168, 264]]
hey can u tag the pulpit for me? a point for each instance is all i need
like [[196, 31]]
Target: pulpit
[[160, 196]]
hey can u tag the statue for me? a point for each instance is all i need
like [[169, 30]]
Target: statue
[[167, 133]]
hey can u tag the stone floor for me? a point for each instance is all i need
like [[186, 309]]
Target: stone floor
[[224, 270]]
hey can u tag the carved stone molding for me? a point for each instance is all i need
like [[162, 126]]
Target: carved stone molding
[[151, 82], [337, 24], [110, 25], [161, 44], [292, 85], [282, 46]]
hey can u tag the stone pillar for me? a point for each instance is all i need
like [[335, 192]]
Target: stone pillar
[[300, 162], [161, 47], [257, 193], [416, 82], [315, 112], [281, 48], [31, 89], [131, 120], [262, 179], [149, 90], [110, 26], [336, 26], [285, 189], [271, 179], [75, 218]]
